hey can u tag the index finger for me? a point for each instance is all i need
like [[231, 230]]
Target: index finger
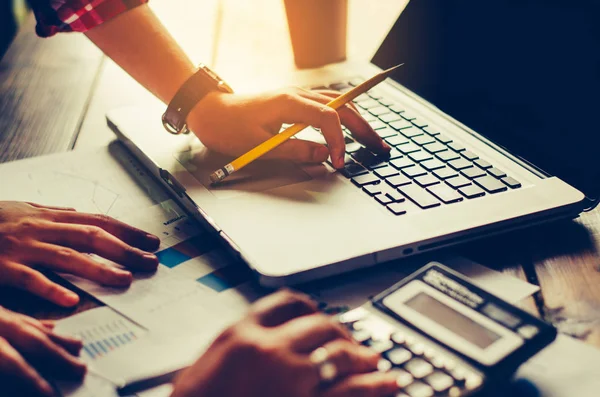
[[296, 109], [351, 118], [127, 233], [281, 307]]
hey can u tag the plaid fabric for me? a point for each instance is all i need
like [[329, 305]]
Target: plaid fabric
[[55, 16]]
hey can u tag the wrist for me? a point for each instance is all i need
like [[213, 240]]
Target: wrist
[[193, 91]]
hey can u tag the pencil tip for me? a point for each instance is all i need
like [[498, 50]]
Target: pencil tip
[[390, 70]]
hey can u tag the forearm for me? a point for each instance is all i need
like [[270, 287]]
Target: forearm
[[139, 43]]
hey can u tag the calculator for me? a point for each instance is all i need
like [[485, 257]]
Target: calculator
[[444, 336]]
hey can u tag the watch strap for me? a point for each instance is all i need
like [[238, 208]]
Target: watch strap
[[189, 94]]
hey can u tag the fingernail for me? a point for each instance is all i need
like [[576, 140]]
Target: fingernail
[[150, 257], [46, 388], [71, 298], [339, 161], [385, 145], [121, 272]]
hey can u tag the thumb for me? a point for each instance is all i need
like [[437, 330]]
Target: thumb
[[300, 151]]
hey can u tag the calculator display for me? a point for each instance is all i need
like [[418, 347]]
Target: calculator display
[[451, 319]]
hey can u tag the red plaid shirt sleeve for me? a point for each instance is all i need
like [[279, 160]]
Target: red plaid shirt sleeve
[[55, 16]]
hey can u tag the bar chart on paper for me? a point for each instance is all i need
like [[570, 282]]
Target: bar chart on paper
[[200, 259], [102, 331]]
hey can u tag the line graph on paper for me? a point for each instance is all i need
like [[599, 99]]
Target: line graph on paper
[[108, 181]]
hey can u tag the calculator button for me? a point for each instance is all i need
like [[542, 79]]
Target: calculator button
[[439, 381], [473, 381], [353, 316], [381, 346], [361, 336], [399, 338], [418, 349], [419, 368], [419, 389], [399, 356], [528, 331], [384, 365], [438, 362], [403, 378], [459, 375]]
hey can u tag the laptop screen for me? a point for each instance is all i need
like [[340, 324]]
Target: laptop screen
[[524, 73]]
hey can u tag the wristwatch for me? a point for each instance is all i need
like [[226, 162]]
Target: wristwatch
[[189, 94]]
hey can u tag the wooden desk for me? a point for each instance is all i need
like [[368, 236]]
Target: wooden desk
[[54, 95]]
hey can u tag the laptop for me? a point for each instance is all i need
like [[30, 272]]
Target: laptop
[[492, 124]]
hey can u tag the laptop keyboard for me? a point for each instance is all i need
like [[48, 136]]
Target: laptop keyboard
[[424, 166]]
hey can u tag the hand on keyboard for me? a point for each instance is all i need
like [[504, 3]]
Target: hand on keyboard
[[282, 348], [233, 124]]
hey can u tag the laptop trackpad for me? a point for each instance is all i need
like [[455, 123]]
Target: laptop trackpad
[[255, 177]]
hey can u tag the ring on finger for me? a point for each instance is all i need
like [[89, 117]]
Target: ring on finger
[[326, 368]]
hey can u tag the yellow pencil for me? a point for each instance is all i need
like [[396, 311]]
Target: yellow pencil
[[270, 144]]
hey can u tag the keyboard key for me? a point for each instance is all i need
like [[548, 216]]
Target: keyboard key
[[460, 164], [361, 335], [386, 132], [423, 140], [390, 117], [407, 116], [443, 173], [469, 155], [440, 381], [366, 179], [511, 182], [408, 148], [419, 389], [370, 103], [377, 124], [368, 117], [445, 193], [368, 159], [379, 110], [397, 140], [396, 108], [398, 180], [483, 164], [375, 94], [411, 132], [435, 147], [431, 130], [473, 172], [386, 171], [496, 172], [402, 163], [491, 184], [447, 155], [352, 170], [426, 180], [418, 368], [394, 154], [397, 209], [400, 124], [458, 181], [420, 156], [457, 147], [372, 190], [382, 198], [348, 140], [403, 379], [414, 171], [432, 164], [471, 191], [353, 147], [392, 193], [443, 138], [340, 86], [399, 356], [419, 196], [381, 346], [386, 102], [419, 123]]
